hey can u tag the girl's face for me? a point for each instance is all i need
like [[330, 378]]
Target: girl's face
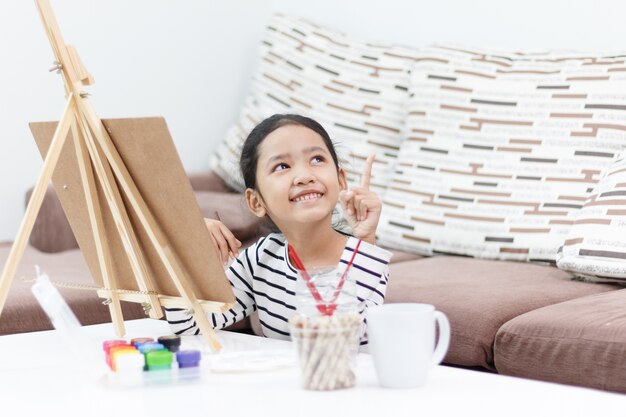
[[297, 179]]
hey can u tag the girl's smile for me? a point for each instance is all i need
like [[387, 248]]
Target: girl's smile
[[307, 197]]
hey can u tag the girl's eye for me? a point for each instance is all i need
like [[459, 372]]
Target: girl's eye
[[280, 167], [317, 159]]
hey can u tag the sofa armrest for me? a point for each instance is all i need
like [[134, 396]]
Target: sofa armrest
[[51, 231], [208, 181]]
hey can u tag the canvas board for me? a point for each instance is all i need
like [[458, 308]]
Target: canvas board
[[147, 149]]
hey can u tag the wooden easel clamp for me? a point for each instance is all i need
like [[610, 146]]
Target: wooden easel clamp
[[100, 165]]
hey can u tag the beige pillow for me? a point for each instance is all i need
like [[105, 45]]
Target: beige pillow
[[502, 149]]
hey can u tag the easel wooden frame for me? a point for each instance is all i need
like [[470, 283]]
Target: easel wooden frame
[[95, 151]]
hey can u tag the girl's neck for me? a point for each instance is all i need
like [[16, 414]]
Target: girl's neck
[[317, 246]]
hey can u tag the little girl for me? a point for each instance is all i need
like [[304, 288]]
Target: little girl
[[293, 179]]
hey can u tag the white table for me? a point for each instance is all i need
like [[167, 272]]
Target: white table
[[40, 374]]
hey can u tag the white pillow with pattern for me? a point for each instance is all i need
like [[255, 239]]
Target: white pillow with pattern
[[357, 90], [502, 149], [596, 245]]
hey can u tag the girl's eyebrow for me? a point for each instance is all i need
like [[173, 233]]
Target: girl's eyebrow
[[313, 149], [308, 150], [276, 158]]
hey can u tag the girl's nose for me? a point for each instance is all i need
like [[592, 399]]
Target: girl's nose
[[303, 177]]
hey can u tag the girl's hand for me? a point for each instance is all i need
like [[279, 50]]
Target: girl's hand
[[362, 207], [226, 243]]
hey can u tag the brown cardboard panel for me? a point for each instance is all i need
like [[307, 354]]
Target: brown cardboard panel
[[150, 156]]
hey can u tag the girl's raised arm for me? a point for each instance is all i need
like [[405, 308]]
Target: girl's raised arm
[[362, 207]]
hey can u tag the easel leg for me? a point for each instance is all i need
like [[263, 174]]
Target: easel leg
[[207, 330], [17, 250], [97, 227]]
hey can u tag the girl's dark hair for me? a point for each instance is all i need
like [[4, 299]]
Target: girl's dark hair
[[250, 151]]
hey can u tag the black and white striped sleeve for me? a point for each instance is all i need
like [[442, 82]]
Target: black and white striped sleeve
[[371, 273], [239, 275]]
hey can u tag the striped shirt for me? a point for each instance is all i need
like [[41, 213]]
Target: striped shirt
[[263, 279]]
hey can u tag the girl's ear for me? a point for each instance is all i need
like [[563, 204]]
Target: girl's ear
[[255, 203], [343, 181]]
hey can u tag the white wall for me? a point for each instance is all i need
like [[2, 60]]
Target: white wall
[[191, 60]]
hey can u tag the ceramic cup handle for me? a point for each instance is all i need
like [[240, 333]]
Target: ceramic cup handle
[[444, 338]]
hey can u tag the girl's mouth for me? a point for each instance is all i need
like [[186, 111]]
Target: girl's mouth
[[306, 197]]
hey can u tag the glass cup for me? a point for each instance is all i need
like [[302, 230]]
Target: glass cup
[[326, 281], [327, 347], [326, 328]]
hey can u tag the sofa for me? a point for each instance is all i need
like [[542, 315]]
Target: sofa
[[500, 174]]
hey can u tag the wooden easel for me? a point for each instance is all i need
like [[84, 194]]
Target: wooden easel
[[100, 164]]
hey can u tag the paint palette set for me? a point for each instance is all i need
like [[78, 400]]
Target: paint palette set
[[145, 360]]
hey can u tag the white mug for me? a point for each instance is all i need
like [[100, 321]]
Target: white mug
[[402, 342]]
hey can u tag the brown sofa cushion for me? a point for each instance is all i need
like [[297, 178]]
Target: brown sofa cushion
[[479, 296], [581, 342], [51, 231], [22, 312], [400, 256]]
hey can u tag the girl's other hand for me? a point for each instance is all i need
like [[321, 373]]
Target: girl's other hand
[[226, 243], [361, 206]]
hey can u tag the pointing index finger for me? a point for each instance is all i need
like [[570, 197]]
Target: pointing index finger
[[367, 171]]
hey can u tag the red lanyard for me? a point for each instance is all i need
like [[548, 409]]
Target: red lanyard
[[323, 308]]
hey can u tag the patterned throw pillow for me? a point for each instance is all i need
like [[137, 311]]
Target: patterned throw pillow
[[502, 150], [356, 90], [596, 245]]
